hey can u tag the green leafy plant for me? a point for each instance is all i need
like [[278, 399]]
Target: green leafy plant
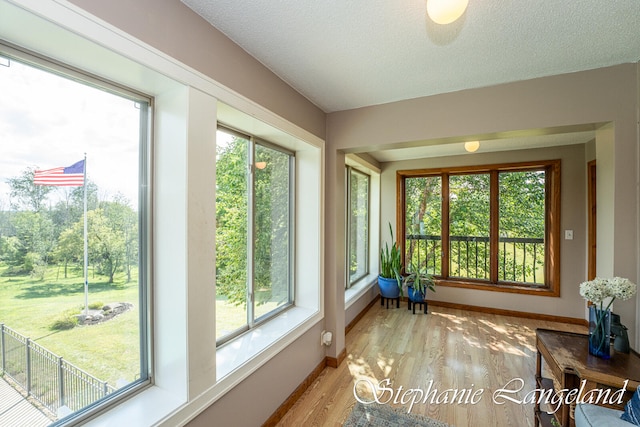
[[420, 280], [391, 261], [64, 322]]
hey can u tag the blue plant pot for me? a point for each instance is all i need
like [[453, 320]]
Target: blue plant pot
[[415, 296], [388, 287]]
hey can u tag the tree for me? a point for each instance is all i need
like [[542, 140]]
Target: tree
[[70, 248], [272, 221], [123, 221], [33, 241], [106, 245], [231, 220], [112, 239], [24, 194]]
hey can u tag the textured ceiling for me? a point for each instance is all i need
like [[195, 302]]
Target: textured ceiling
[[344, 54]]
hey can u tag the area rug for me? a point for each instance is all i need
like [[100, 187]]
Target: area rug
[[385, 416]]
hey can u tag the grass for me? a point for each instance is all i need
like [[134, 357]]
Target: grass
[[110, 351], [230, 317], [41, 310]]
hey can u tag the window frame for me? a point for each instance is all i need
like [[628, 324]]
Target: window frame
[[552, 170], [252, 320], [349, 170], [145, 186]]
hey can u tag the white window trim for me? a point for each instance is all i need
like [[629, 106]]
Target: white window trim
[[359, 288], [183, 337], [348, 175]]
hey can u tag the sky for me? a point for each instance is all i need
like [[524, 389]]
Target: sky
[[47, 121]]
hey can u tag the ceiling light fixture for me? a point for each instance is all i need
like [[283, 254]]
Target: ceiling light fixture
[[446, 11], [261, 165], [472, 146]]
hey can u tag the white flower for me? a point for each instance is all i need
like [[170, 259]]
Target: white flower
[[598, 289], [623, 288]]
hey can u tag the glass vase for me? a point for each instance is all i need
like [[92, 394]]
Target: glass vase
[[599, 332]]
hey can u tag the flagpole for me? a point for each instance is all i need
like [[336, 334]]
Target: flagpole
[[86, 245]]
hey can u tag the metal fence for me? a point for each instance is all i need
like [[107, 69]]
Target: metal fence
[[46, 377], [519, 259]]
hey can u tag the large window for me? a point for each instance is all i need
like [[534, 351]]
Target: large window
[[254, 231], [358, 185], [491, 227], [74, 232]]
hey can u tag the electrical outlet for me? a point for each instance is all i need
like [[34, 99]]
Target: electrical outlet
[[568, 234]]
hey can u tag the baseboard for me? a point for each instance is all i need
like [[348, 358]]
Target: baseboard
[[523, 314], [293, 397], [360, 315], [334, 362]]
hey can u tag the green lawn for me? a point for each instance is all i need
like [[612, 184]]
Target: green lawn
[[109, 351], [230, 317]]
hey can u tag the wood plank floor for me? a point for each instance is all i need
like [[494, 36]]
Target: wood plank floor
[[455, 349]]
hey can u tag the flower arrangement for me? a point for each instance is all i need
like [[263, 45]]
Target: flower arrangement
[[597, 291]]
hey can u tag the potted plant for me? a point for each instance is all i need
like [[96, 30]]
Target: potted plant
[[390, 280], [418, 281]]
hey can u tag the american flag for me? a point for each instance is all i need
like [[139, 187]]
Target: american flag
[[71, 176]]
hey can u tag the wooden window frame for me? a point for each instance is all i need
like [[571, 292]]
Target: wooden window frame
[[551, 285]]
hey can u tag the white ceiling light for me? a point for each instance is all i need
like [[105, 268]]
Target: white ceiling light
[[446, 11], [472, 146]]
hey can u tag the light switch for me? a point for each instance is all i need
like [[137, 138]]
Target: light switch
[[568, 234]]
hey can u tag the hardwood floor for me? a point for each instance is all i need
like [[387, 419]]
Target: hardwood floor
[[468, 351]]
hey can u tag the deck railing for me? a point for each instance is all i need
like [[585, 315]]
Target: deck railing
[[519, 259], [46, 377]]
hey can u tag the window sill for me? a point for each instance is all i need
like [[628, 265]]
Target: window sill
[[239, 351], [146, 408], [359, 288], [500, 287], [156, 406]]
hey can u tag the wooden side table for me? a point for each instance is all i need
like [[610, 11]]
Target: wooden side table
[[566, 356]]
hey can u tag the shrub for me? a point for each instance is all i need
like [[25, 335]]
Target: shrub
[[64, 323], [96, 305]]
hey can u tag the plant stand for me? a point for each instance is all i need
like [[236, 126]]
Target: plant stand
[[422, 304], [382, 300]]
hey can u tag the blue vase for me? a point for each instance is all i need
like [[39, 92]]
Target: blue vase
[[415, 296], [388, 287], [599, 332]]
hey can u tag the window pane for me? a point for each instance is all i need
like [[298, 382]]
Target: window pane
[[469, 226], [423, 223], [522, 225], [231, 233], [272, 230], [358, 225], [94, 326]]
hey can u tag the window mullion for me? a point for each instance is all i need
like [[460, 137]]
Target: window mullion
[[494, 232], [445, 250], [292, 228], [348, 225], [251, 232]]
